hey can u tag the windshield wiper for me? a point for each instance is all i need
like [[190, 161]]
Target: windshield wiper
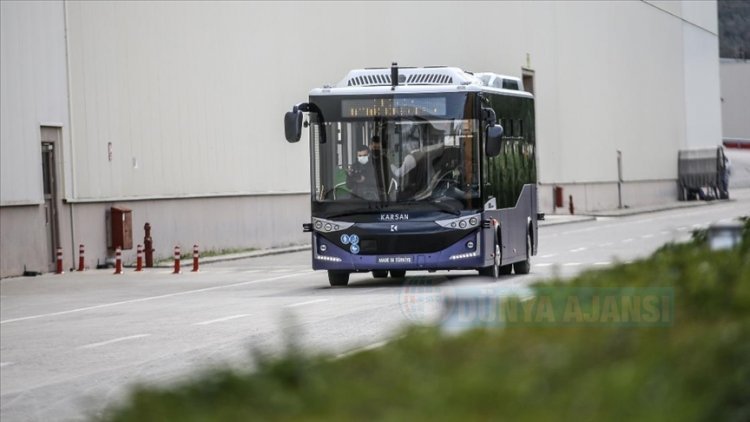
[[363, 210], [435, 203]]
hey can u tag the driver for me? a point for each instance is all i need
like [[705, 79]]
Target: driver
[[360, 176]]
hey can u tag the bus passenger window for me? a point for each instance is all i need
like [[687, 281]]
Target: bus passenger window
[[510, 84]]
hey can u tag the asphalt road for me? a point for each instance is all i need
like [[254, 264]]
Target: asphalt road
[[72, 344]]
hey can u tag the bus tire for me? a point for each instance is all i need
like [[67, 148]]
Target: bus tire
[[493, 271], [338, 278], [398, 273], [524, 267], [380, 273]]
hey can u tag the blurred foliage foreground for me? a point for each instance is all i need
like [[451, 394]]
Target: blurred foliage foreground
[[696, 368]]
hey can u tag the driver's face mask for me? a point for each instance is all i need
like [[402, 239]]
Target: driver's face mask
[[362, 159]]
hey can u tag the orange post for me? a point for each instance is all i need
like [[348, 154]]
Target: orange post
[[139, 259], [118, 261], [195, 258], [59, 263], [176, 260], [80, 258]]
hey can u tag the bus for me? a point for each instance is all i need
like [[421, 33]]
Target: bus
[[450, 158]]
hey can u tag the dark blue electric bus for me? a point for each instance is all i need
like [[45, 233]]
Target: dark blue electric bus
[[450, 165]]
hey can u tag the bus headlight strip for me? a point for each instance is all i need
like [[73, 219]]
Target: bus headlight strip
[[464, 255]]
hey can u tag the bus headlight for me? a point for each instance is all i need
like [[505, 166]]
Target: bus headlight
[[469, 221], [469, 244], [327, 226], [323, 248]]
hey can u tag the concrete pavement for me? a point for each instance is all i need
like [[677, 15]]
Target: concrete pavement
[[74, 343]]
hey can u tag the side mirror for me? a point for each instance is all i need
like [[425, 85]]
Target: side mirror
[[293, 125], [494, 140]]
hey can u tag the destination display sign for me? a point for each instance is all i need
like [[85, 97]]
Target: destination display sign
[[394, 107]]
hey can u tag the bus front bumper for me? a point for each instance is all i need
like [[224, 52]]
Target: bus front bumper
[[327, 256]]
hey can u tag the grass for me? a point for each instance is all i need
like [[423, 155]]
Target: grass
[[696, 368]]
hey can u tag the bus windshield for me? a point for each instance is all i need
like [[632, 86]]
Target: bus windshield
[[399, 155]]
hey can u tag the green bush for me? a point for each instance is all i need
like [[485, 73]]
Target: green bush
[[697, 368]]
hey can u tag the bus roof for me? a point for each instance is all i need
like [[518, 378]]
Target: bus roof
[[430, 79]]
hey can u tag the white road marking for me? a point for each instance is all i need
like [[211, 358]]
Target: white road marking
[[647, 236], [286, 270], [664, 232], [309, 302], [548, 255], [572, 264], [117, 340], [221, 319], [4, 364], [578, 250], [543, 265], [602, 263], [681, 229], [145, 299], [628, 240], [604, 245], [372, 346], [367, 290]]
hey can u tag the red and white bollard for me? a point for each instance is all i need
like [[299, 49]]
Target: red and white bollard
[[139, 259], [118, 261], [59, 263], [195, 258], [81, 262], [176, 260]]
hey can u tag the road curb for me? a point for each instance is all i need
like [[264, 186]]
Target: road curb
[[245, 255], [580, 219], [638, 211]]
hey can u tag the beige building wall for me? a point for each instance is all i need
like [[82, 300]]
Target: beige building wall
[[735, 97], [176, 107]]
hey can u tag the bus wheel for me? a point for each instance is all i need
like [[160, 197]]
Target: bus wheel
[[398, 273], [380, 273], [524, 267], [338, 278], [493, 271]]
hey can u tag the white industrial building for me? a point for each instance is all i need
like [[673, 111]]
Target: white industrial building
[[174, 109]]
